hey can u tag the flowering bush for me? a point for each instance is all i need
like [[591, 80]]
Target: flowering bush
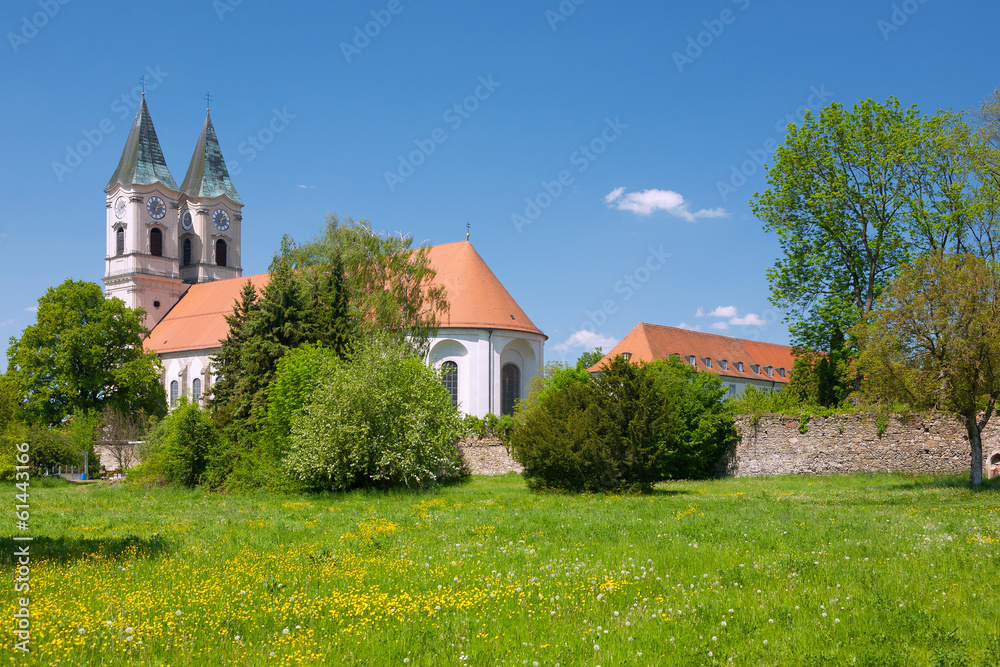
[[383, 418]]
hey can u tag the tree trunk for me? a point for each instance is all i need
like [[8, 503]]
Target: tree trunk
[[976, 443]]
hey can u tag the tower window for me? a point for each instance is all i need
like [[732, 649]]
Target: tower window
[[220, 253], [119, 241], [510, 388], [196, 390], [173, 393], [449, 371], [187, 252], [156, 243]]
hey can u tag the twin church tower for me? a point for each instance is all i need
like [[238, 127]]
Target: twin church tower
[[161, 238]]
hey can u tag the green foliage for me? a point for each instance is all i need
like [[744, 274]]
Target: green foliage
[[881, 423], [756, 401], [84, 353], [631, 426], [383, 418], [934, 340], [490, 426], [588, 359], [181, 448], [554, 377], [390, 283], [804, 422], [853, 195]]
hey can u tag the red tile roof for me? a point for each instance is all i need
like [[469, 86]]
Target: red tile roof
[[647, 342], [198, 321], [476, 298]]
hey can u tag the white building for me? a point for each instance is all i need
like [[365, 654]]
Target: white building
[[176, 252]]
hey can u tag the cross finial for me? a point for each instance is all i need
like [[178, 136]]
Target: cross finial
[[468, 229], [208, 100], [142, 80]]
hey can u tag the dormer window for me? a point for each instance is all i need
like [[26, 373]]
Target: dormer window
[[724, 364], [781, 372], [707, 361], [691, 359], [769, 370], [755, 368], [739, 366]]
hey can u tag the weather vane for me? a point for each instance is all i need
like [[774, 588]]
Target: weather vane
[[468, 228]]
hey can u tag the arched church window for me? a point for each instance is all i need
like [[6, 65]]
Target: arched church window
[[196, 390], [156, 242], [187, 252], [510, 388], [449, 372], [220, 253], [119, 241], [173, 393]]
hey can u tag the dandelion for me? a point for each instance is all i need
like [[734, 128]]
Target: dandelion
[[178, 612], [596, 647], [723, 624], [285, 631]]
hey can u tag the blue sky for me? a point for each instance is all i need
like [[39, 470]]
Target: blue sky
[[604, 153]]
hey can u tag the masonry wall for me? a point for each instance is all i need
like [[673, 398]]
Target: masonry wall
[[931, 443]]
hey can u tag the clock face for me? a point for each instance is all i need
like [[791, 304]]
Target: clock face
[[120, 208], [186, 220], [221, 220], [155, 208]]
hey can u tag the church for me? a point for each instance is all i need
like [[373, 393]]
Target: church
[[175, 251]]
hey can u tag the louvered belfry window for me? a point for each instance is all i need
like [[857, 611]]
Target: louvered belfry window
[[156, 243], [220, 253], [187, 252], [119, 241]]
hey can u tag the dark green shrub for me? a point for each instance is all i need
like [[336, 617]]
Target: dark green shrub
[[626, 429]]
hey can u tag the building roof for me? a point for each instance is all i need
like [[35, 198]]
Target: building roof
[[207, 175], [198, 320], [476, 297], [142, 160], [476, 300], [648, 342]]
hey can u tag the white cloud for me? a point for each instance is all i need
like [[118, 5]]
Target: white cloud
[[648, 201], [614, 194], [7, 322], [31, 309], [587, 340], [685, 325], [728, 316], [724, 311], [306, 187], [751, 319]]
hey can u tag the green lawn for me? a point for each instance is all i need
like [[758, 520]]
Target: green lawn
[[860, 570]]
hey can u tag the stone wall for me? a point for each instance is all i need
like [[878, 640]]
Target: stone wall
[[930, 443], [488, 456]]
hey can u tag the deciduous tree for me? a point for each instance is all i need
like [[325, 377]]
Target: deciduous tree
[[933, 341], [84, 353]]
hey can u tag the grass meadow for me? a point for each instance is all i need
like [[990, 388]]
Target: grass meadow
[[856, 570]]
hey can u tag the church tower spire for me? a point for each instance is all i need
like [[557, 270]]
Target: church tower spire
[[142, 160], [211, 214], [142, 220]]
